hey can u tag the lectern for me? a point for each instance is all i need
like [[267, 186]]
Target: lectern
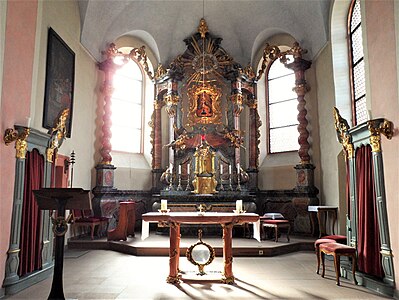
[[61, 199]]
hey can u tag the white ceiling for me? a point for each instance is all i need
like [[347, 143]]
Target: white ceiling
[[244, 25]]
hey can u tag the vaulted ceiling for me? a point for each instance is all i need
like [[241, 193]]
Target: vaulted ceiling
[[244, 25]]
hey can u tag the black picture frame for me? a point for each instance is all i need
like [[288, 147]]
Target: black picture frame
[[60, 77]]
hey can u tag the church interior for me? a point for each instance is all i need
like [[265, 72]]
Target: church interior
[[140, 139]]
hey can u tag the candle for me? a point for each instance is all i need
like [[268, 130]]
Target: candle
[[221, 168], [179, 169], [171, 167], [238, 168], [239, 205], [188, 169], [229, 169], [164, 204]]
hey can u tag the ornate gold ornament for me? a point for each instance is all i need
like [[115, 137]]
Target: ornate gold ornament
[[21, 145], [58, 134], [138, 54], [376, 128], [271, 53], [60, 226], [343, 135], [204, 105], [237, 100], [161, 71], [171, 104], [202, 28], [249, 72], [200, 254], [236, 138]]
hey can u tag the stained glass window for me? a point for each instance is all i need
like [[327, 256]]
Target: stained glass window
[[357, 64], [282, 109]]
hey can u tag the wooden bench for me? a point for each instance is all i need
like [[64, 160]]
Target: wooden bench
[[327, 239], [126, 222], [337, 250]]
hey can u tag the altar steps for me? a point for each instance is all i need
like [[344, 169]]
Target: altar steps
[[158, 245]]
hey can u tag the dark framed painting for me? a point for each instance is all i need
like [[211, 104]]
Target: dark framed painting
[[60, 76]]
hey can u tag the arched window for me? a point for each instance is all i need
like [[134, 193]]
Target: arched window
[[127, 108], [282, 109], [356, 62]]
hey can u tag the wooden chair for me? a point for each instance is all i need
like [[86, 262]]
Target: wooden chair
[[85, 219]]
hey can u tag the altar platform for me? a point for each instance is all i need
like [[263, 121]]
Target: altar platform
[[158, 245]]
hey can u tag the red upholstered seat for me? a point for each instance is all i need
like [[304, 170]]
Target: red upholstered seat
[[337, 250], [276, 224], [336, 237], [275, 221], [323, 241]]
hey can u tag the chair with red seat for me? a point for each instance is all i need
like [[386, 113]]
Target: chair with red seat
[[276, 221], [86, 219]]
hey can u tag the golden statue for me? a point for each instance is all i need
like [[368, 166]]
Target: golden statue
[[204, 175]]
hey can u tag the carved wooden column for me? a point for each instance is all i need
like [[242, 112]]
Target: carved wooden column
[[254, 135]]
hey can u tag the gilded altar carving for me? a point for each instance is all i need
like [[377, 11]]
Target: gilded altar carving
[[342, 128], [58, 134], [376, 128], [204, 180], [204, 105], [21, 145]]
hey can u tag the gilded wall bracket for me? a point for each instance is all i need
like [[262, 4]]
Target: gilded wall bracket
[[19, 137]]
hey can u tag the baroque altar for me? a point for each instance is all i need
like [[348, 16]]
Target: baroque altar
[[208, 98]]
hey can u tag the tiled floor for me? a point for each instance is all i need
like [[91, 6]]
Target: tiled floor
[[101, 274]]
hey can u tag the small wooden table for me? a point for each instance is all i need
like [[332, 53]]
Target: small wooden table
[[327, 211], [226, 220]]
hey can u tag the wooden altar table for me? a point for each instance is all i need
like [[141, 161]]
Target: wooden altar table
[[226, 220]]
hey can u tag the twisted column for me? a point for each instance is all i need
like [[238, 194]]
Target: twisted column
[[109, 68], [299, 66]]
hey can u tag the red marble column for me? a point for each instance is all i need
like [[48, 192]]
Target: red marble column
[[108, 67], [299, 66]]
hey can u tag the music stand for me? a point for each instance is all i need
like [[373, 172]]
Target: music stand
[[61, 199]]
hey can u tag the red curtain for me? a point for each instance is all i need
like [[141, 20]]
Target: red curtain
[[30, 243], [368, 247]]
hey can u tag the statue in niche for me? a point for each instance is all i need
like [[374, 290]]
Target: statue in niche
[[204, 105]]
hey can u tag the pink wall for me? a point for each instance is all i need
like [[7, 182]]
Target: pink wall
[[381, 47], [19, 50]]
